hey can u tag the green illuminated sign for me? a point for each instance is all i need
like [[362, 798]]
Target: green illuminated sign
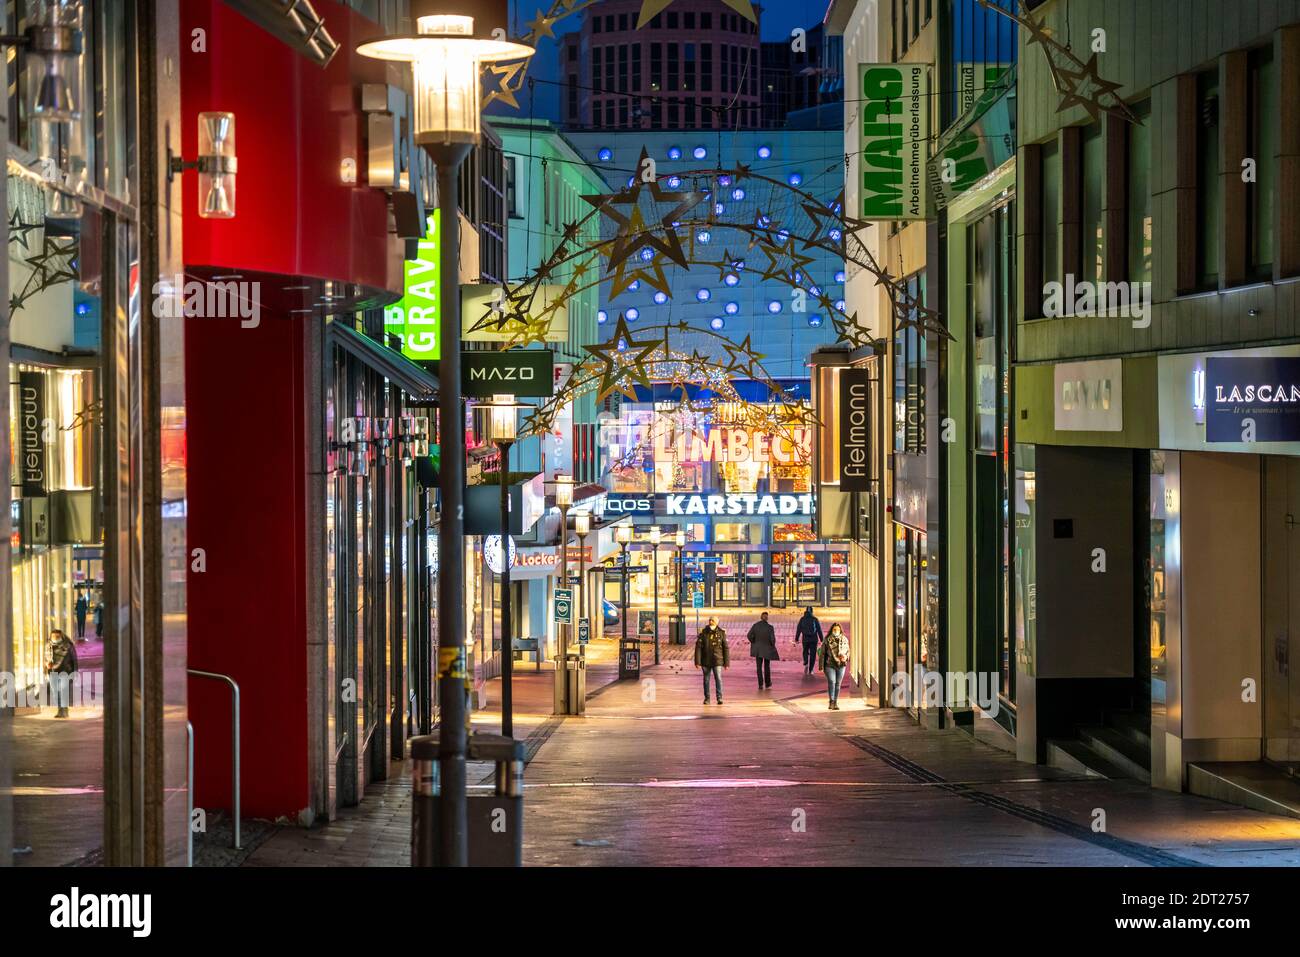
[[416, 317], [894, 139]]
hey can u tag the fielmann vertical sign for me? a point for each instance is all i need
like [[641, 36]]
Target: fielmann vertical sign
[[855, 430], [894, 139]]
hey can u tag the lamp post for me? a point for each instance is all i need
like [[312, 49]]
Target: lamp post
[[623, 535], [681, 578], [502, 432], [564, 501], [655, 535], [445, 55], [581, 527]]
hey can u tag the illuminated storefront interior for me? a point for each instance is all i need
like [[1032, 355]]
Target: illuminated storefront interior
[[738, 478]]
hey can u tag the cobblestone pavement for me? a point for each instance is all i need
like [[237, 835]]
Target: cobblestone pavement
[[651, 776]]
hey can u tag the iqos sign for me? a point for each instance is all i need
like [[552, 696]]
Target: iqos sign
[[635, 506], [631, 505]]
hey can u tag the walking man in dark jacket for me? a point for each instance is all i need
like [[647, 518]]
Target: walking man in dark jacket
[[712, 655], [809, 631], [762, 648], [81, 609]]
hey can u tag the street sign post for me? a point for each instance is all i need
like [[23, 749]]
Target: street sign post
[[564, 606], [584, 631]]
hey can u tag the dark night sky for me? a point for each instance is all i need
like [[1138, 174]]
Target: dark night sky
[[777, 20]]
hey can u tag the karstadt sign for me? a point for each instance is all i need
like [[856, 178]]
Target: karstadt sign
[[672, 504]]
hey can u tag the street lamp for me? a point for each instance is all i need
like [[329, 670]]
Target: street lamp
[[623, 535], [681, 578], [502, 432], [564, 501], [445, 55], [582, 527], [655, 535]]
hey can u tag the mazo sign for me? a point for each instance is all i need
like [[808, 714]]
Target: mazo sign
[[518, 372]]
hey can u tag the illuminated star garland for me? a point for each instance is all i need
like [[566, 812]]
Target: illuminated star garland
[[638, 243], [1078, 83]]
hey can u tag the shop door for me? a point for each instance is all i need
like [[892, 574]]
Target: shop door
[[726, 592], [1281, 693], [755, 590], [783, 583]]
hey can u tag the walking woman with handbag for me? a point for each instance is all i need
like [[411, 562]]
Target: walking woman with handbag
[[834, 659]]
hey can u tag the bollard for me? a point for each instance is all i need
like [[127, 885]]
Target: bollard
[[495, 820], [424, 800]]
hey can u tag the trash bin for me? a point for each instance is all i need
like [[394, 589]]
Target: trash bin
[[677, 629], [571, 673], [496, 821]]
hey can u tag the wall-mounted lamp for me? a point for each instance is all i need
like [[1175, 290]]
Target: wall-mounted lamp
[[413, 437], [216, 165], [54, 45]]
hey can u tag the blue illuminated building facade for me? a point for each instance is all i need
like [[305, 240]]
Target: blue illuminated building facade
[[740, 303], [747, 514]]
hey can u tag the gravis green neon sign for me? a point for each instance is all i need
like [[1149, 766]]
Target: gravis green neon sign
[[415, 318]]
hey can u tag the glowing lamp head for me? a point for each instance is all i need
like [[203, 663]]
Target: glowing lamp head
[[623, 534], [445, 54], [681, 538], [563, 491], [582, 523], [501, 426], [656, 534]]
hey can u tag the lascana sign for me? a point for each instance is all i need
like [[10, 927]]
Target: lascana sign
[[1252, 399], [894, 139], [415, 318]]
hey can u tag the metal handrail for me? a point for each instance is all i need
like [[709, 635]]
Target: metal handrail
[[234, 688]]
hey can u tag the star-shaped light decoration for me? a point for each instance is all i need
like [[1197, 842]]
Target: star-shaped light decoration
[[624, 361], [774, 254], [652, 8], [848, 330], [743, 358], [1079, 83], [633, 232], [509, 79], [1086, 88], [542, 26], [652, 272]]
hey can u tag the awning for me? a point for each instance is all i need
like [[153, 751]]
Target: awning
[[293, 21], [415, 379]]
